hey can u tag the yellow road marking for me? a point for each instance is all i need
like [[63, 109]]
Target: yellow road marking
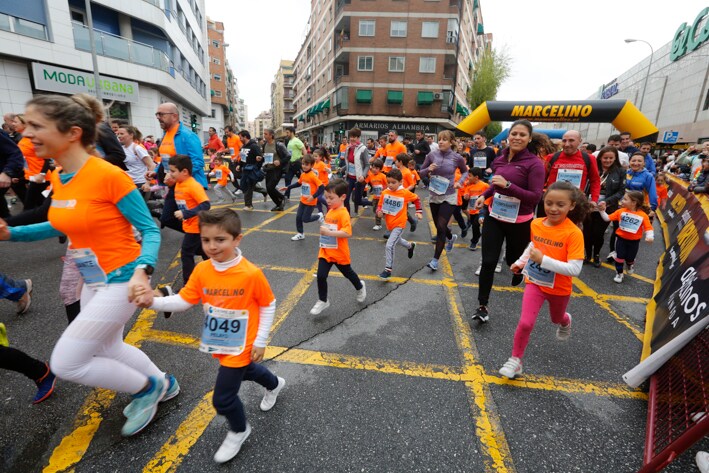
[[636, 276], [606, 306], [289, 303]]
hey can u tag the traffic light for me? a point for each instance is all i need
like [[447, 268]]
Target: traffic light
[[193, 122]]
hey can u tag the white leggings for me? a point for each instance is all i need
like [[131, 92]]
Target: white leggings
[[91, 350]]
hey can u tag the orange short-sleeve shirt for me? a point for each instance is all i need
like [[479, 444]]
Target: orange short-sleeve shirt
[[473, 191], [563, 242], [234, 144], [631, 215], [167, 145], [341, 254], [34, 162], [393, 200], [188, 195], [222, 174], [407, 178], [84, 209], [312, 182], [242, 287], [320, 170], [377, 182], [390, 151]]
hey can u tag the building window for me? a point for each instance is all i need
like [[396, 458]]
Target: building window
[[366, 27], [398, 29], [214, 113], [396, 63], [217, 93], [217, 77], [706, 101], [365, 63], [429, 29], [216, 60], [427, 65], [215, 43]]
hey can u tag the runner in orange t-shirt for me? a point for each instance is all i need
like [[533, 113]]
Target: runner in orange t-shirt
[[393, 148], [222, 174], [377, 181], [474, 188], [310, 189]]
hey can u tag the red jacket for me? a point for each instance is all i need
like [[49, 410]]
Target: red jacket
[[572, 163]]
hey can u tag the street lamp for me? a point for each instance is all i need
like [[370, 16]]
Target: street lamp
[[647, 76]]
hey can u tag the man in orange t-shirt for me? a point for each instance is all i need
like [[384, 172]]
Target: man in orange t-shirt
[[392, 148]]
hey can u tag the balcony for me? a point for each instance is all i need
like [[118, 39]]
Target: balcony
[[121, 48], [340, 5]]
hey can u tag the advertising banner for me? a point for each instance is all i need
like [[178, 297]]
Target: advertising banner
[[72, 81], [679, 308]]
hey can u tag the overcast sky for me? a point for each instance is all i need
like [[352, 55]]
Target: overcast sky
[[561, 49]]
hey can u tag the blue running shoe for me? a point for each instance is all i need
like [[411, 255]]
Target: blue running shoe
[[45, 386], [173, 388], [450, 243], [144, 406]]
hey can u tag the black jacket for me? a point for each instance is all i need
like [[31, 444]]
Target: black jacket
[[613, 188], [252, 150], [12, 162], [424, 149]]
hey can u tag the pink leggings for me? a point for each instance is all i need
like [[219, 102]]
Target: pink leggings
[[532, 302]]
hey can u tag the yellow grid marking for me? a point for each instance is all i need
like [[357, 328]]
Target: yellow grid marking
[[606, 306]]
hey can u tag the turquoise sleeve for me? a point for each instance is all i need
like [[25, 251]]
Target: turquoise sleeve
[[34, 232], [133, 208]]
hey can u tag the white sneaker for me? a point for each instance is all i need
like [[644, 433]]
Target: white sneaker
[[702, 459], [630, 269], [238, 192], [362, 293], [511, 368], [231, 445], [377, 227], [269, 398], [411, 206], [477, 271], [498, 268], [564, 332], [618, 278], [611, 256], [321, 217], [319, 307], [298, 237]]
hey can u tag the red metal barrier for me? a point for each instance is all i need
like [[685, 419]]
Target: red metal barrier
[[678, 405]]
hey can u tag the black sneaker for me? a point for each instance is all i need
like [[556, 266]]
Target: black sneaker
[[166, 291], [464, 232], [386, 274], [414, 224], [596, 261], [517, 279], [411, 250], [481, 314], [434, 238], [386, 235]]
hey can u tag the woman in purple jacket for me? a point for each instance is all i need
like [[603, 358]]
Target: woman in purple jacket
[[440, 166], [516, 187]]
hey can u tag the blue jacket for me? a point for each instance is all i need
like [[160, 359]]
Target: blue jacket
[[650, 164], [11, 160], [642, 181], [188, 143]]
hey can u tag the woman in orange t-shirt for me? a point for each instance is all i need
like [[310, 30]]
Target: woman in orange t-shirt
[[36, 170], [551, 260], [95, 205]]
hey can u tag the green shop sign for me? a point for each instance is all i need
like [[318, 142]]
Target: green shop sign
[[689, 38], [71, 81]]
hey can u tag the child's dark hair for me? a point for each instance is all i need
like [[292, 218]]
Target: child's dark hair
[[181, 162], [320, 152], [338, 186], [308, 159], [225, 218], [639, 198], [377, 163], [394, 173], [218, 159], [477, 172], [403, 158], [581, 205]]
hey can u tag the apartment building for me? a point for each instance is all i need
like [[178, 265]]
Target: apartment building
[[221, 81], [261, 122], [149, 52], [282, 105], [405, 65]]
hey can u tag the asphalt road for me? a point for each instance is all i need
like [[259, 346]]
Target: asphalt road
[[401, 382]]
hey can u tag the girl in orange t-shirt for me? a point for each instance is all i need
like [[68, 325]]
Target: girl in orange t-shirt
[[310, 189], [661, 188], [552, 259]]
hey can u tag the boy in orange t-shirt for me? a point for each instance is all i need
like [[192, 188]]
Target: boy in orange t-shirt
[[408, 181], [322, 171], [310, 189], [191, 199], [414, 172], [239, 308], [392, 206], [334, 247], [377, 181], [474, 188], [222, 175]]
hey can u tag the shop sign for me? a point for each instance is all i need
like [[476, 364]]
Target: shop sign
[[401, 128], [609, 90], [72, 81], [689, 38]]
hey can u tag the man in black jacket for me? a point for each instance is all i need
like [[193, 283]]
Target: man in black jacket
[[12, 164], [276, 159], [251, 174]]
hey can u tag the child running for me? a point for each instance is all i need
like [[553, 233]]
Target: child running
[[550, 261], [408, 181], [239, 308], [633, 220], [474, 188], [222, 174], [661, 187], [334, 247], [191, 199], [392, 206], [377, 181], [322, 170], [310, 189], [414, 172]]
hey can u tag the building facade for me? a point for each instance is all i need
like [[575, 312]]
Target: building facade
[[149, 52], [282, 95], [402, 65], [673, 93], [222, 88], [261, 122]]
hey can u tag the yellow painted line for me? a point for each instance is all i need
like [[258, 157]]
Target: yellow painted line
[[574, 386], [636, 276], [613, 297], [606, 306], [178, 445], [280, 215], [284, 308]]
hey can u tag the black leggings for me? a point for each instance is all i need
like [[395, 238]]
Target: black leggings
[[441, 216], [16, 360], [516, 237], [594, 228], [324, 270]]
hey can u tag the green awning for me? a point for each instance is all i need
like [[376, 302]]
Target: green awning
[[311, 111], [395, 96], [326, 104], [481, 29], [363, 96], [424, 97], [317, 108], [475, 3], [462, 110]]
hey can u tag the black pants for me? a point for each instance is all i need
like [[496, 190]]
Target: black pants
[[354, 193], [475, 226], [441, 216], [248, 189], [191, 247], [324, 270], [168, 218], [237, 176], [33, 196], [16, 360], [304, 215], [292, 171], [272, 178], [458, 215], [594, 228], [611, 240], [626, 251], [20, 189], [226, 391], [515, 235]]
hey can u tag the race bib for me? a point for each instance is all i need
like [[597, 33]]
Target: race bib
[[389, 161], [538, 275], [351, 169], [572, 176], [392, 205], [87, 264], [377, 190], [224, 331], [165, 158], [439, 184], [243, 154], [328, 241], [267, 158], [231, 151], [480, 162], [305, 190], [218, 174], [630, 222], [181, 204], [505, 208]]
